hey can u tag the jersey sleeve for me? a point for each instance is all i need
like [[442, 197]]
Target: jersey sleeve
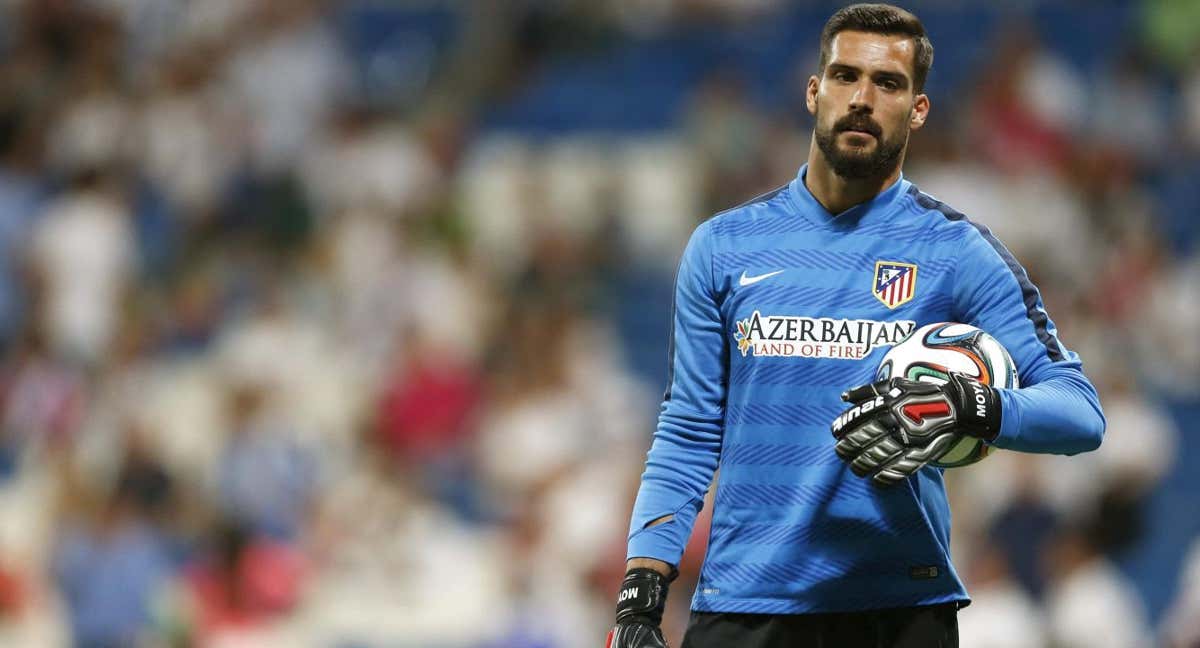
[[1056, 410], [687, 440]]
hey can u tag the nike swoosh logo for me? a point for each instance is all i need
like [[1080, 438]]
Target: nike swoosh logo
[[746, 281]]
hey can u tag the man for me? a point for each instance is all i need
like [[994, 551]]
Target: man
[[780, 305]]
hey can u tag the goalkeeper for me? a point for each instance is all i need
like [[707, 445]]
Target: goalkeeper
[[783, 307]]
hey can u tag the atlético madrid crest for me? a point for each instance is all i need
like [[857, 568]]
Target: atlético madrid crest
[[894, 283]]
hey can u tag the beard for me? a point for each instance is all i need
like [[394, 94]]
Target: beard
[[857, 164]]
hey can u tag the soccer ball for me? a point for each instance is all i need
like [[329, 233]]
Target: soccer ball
[[931, 352]]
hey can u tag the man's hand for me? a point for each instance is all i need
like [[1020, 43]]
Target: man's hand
[[897, 426], [640, 604]]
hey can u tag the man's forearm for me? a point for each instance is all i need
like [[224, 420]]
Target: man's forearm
[[664, 568], [1060, 414], [649, 563]]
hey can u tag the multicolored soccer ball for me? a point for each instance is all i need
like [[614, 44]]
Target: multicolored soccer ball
[[932, 351]]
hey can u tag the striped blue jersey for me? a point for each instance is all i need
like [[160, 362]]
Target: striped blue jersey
[[779, 307]]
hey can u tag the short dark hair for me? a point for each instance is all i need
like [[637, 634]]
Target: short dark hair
[[881, 19]]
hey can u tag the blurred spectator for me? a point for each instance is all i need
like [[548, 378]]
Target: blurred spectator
[[1191, 106], [109, 565], [1167, 359], [114, 422], [668, 180], [43, 400], [265, 479], [1022, 530], [425, 420], [1135, 259], [1001, 614], [284, 112], [448, 304], [278, 341], [536, 427], [1181, 625], [1027, 105], [368, 270], [29, 615], [428, 403], [1089, 603], [187, 141], [368, 163], [1113, 482], [730, 135], [237, 586], [498, 186], [93, 127], [1129, 110], [382, 546], [194, 313], [22, 193], [84, 250]]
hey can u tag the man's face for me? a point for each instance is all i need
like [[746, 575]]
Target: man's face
[[865, 104]]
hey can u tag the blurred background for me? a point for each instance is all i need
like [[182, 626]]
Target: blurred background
[[344, 323]]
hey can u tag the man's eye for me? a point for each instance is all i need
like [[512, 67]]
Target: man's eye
[[889, 85], [842, 76]]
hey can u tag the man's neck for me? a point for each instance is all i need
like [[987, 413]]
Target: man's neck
[[837, 194]]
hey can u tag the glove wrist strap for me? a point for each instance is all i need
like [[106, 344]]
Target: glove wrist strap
[[643, 594], [978, 407]]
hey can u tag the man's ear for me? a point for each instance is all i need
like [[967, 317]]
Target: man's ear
[[810, 95], [920, 112]]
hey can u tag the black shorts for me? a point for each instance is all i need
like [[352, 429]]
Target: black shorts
[[932, 626]]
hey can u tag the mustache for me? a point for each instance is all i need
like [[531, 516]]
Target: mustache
[[858, 122]]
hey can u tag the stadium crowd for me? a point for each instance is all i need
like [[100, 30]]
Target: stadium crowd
[[293, 355]]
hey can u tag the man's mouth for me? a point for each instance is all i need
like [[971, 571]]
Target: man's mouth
[[860, 126], [860, 131]]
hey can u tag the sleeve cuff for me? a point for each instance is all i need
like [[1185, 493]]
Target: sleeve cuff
[[1010, 420], [658, 542]]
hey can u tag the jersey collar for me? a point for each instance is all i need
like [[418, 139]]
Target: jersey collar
[[878, 207]]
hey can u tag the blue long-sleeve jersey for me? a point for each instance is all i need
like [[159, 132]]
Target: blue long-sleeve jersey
[[779, 307]]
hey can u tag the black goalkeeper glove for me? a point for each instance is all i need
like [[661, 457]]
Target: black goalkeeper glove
[[640, 607], [897, 426]]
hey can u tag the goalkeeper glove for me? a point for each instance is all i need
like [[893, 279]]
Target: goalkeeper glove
[[898, 426], [640, 607]]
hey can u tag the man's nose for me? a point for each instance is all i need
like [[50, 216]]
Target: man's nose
[[863, 99]]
